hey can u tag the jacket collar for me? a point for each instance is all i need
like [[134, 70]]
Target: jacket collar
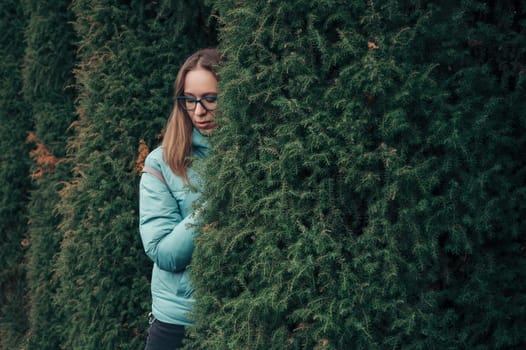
[[199, 143]]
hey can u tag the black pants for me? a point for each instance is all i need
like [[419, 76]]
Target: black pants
[[164, 336]]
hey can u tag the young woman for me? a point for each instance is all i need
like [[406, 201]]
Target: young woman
[[168, 189]]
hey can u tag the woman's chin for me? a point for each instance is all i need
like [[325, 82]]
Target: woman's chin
[[206, 129]]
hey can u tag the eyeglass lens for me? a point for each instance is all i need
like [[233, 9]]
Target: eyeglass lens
[[190, 103]]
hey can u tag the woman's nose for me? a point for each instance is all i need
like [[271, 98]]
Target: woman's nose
[[199, 109]]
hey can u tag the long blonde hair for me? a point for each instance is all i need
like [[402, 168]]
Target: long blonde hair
[[177, 140]]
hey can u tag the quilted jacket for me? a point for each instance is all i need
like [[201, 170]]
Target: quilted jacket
[[167, 229]]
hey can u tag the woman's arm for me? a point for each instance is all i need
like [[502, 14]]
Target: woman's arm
[[165, 235]]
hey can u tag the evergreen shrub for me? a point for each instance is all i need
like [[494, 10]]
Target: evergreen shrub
[[366, 188], [49, 93], [129, 54], [14, 182]]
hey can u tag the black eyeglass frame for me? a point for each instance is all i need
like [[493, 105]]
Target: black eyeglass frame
[[184, 98]]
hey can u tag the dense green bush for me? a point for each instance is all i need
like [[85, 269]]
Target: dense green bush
[[366, 188], [367, 185], [14, 181], [49, 93], [129, 54]]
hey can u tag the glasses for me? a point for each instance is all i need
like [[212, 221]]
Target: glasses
[[188, 103]]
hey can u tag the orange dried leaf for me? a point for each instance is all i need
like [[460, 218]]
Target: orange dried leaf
[[210, 226], [143, 151], [322, 344], [302, 326], [45, 160]]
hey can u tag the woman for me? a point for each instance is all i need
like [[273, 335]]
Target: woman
[[168, 190]]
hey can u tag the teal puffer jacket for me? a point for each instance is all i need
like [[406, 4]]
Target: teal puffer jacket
[[167, 234]]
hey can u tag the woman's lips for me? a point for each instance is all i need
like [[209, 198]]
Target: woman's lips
[[204, 125]]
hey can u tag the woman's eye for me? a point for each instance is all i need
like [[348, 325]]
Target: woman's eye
[[210, 98]]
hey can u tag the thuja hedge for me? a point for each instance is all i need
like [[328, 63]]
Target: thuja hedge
[[128, 57], [366, 188], [48, 90], [14, 183]]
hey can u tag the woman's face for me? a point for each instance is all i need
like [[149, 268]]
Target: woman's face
[[201, 84]]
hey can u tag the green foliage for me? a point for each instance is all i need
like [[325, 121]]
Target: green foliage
[[367, 184], [48, 90], [129, 54], [366, 188], [14, 184]]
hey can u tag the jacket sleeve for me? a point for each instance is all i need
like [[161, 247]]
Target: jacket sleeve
[[166, 236]]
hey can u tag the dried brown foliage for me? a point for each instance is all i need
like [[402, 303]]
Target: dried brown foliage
[[45, 161]]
